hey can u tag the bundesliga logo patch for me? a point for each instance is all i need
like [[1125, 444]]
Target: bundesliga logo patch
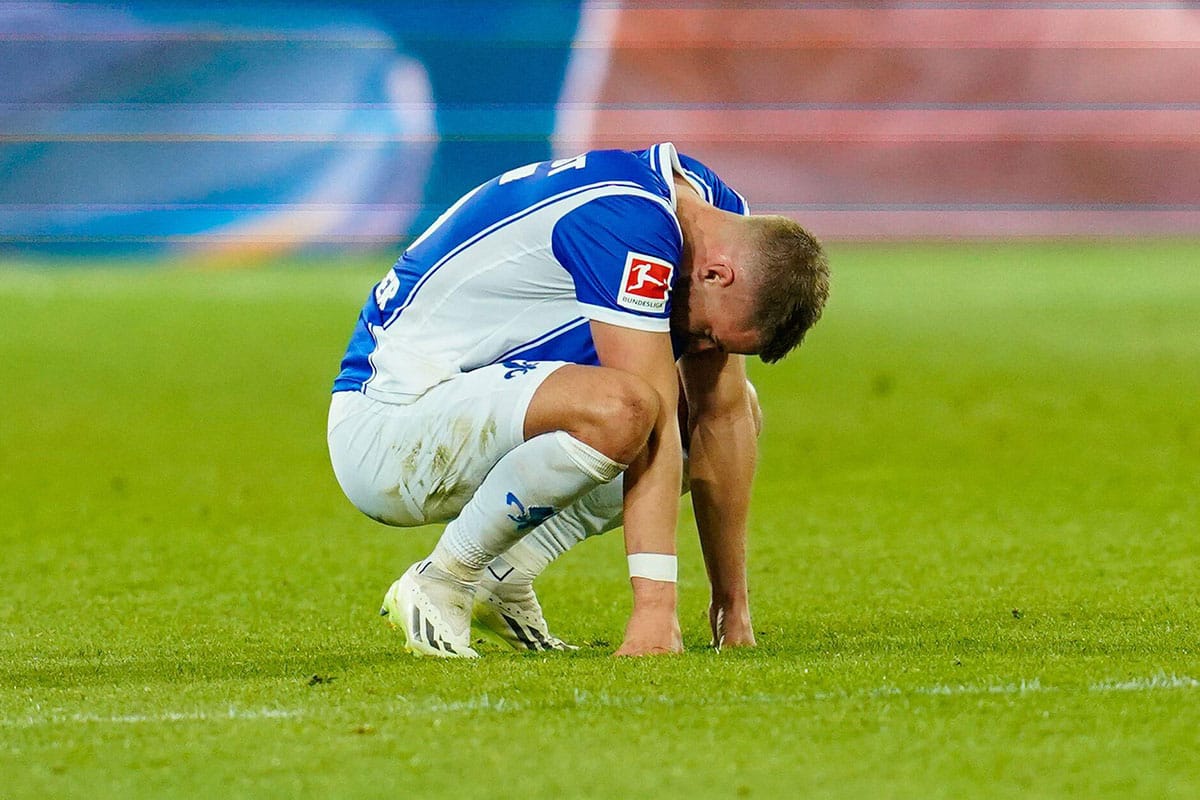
[[645, 284]]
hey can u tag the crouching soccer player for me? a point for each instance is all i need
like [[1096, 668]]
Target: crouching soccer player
[[525, 369]]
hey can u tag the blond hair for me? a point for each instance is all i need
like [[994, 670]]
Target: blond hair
[[792, 281]]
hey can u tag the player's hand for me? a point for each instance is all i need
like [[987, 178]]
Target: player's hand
[[731, 625], [653, 627], [649, 635]]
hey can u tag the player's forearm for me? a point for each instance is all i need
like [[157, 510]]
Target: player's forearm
[[651, 514], [652, 491], [651, 502], [722, 458]]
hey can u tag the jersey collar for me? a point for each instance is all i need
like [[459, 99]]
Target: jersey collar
[[666, 160]]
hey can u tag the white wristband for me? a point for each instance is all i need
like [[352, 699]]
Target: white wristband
[[655, 566]]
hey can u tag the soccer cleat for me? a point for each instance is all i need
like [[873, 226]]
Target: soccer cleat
[[513, 613], [434, 610]]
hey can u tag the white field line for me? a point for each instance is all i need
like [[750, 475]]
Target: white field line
[[232, 712], [1159, 681], [583, 699]]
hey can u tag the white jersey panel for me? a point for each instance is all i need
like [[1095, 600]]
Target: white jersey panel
[[504, 290]]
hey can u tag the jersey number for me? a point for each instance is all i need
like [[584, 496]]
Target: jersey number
[[386, 289], [561, 165]]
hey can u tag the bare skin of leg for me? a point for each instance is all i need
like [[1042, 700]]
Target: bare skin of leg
[[611, 410]]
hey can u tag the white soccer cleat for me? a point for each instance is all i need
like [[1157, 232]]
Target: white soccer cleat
[[434, 610], [514, 614]]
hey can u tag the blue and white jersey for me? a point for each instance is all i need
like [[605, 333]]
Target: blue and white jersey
[[518, 267]]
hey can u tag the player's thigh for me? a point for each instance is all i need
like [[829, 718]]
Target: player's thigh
[[420, 463]]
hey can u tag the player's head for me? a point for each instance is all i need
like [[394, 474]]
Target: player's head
[[755, 286], [790, 274]]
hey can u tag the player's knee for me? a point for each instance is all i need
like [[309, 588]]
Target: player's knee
[[626, 412], [610, 410]]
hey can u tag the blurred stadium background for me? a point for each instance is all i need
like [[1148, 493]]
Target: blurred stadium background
[[265, 127]]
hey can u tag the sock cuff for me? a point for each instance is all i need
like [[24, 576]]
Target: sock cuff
[[599, 466], [460, 555]]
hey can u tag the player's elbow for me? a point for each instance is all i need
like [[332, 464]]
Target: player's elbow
[[730, 409], [755, 408]]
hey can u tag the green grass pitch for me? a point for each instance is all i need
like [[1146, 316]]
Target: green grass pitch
[[975, 554]]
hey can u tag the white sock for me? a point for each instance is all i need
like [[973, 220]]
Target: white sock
[[531, 483], [598, 511]]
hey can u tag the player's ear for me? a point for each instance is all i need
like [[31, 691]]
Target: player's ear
[[718, 273]]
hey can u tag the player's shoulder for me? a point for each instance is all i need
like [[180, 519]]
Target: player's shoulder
[[710, 185], [637, 200], [650, 171], [661, 162], [639, 168]]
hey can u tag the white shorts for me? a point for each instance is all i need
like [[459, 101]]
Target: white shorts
[[420, 463]]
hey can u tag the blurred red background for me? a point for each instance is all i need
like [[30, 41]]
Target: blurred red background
[[911, 119]]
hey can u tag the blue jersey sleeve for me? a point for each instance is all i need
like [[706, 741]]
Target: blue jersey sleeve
[[622, 252], [712, 188]]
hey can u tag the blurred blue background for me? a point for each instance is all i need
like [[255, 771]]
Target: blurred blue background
[[152, 124]]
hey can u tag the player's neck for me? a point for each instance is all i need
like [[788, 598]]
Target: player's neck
[[698, 221]]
